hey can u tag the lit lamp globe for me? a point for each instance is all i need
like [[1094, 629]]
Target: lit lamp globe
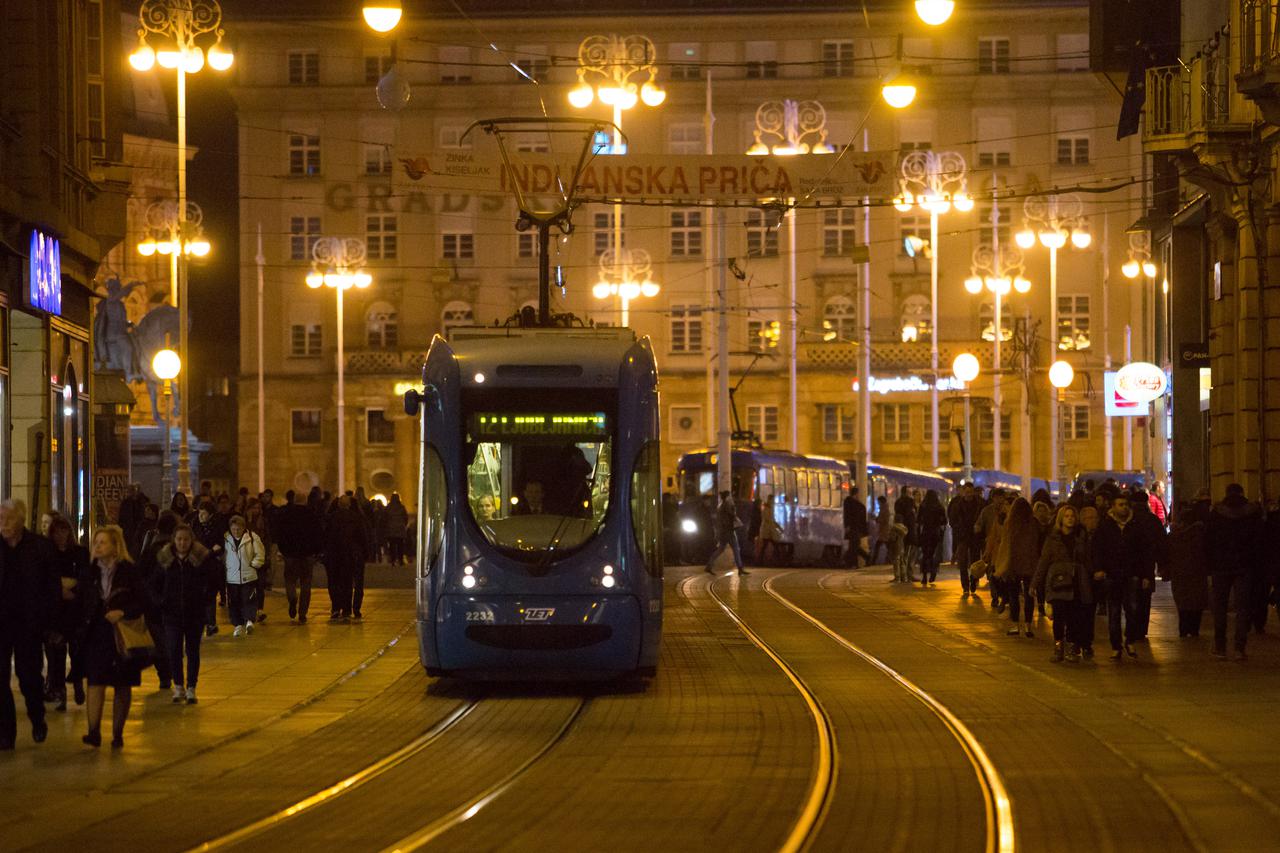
[[1149, 269], [1081, 239], [1131, 268], [898, 90], [973, 284], [581, 96], [1061, 374], [382, 16], [1025, 238], [935, 12], [1021, 284], [166, 364], [965, 367]]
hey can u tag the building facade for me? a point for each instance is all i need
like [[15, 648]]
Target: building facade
[[62, 207], [1005, 85]]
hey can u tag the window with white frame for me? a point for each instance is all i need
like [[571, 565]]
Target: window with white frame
[[837, 423], [377, 160], [378, 428], [994, 159], [526, 244], [840, 318], [839, 232], [602, 234], [1073, 150], [987, 425], [684, 62], [1073, 51], [458, 245], [456, 313], [993, 55], [762, 233], [451, 136], [987, 321], [911, 225], [534, 61], [686, 232], [895, 422], [95, 83], [986, 215], [304, 426], [927, 412], [455, 64], [1076, 421], [304, 231], [686, 328], [304, 68], [686, 138], [763, 421], [837, 58], [380, 237], [304, 154], [763, 334], [382, 326], [376, 65], [533, 143], [1073, 322], [762, 60], [305, 340]]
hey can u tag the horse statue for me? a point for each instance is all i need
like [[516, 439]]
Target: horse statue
[[112, 332], [154, 332]]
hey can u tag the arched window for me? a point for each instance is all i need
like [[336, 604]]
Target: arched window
[[987, 322], [382, 326], [917, 325], [456, 314], [839, 319]]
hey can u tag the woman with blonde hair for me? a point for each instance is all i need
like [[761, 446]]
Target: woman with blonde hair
[[1064, 572], [111, 590]]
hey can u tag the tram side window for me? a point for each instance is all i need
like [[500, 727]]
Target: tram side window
[[791, 484], [434, 493], [646, 506], [764, 483], [826, 488], [802, 487]]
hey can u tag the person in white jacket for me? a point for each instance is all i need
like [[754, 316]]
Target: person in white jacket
[[243, 554]]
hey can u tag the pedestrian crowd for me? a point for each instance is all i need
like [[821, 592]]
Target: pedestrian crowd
[[146, 591]]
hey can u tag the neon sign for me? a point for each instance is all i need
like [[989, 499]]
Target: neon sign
[[1141, 382], [902, 384], [44, 289]]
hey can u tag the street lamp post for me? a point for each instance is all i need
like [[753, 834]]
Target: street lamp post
[[1061, 375], [623, 70], [166, 365], [966, 369], [998, 271], [626, 276], [935, 181], [336, 263], [1139, 264], [179, 23], [1055, 221], [788, 128]]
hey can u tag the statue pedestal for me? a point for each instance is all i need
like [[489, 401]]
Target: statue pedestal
[[147, 449]]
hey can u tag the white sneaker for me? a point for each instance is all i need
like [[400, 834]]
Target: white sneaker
[[178, 694], [238, 632], [248, 627], [191, 696]]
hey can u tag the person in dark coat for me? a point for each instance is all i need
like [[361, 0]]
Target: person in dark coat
[[727, 524], [904, 514], [1154, 552], [146, 564], [347, 548], [1186, 570], [1071, 603], [29, 592], [180, 506], [70, 560], [210, 531], [186, 573], [300, 538], [855, 527], [931, 524], [1118, 550], [395, 521], [962, 515], [1233, 538], [129, 515], [111, 590]]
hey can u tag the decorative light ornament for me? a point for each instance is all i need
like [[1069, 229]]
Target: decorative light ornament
[[199, 247], [1025, 238], [1081, 239], [973, 284], [581, 96], [1149, 269], [935, 12], [315, 279], [147, 247], [168, 59], [1052, 239], [1021, 285], [1061, 374], [144, 58], [966, 367], [601, 290], [220, 59], [382, 16], [166, 364], [904, 203], [652, 95], [1131, 268], [192, 60]]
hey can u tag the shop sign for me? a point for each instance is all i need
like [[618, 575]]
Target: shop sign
[[109, 486], [44, 271], [904, 384], [1114, 405], [1193, 355], [1141, 382]]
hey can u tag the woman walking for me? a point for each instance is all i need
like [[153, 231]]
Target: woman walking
[[931, 525], [1016, 557], [1064, 571], [770, 532], [243, 555], [1188, 569], [111, 590], [185, 577], [71, 560]]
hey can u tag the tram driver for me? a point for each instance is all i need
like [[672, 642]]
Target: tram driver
[[531, 502]]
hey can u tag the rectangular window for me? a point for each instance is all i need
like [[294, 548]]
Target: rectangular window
[[303, 233], [380, 236], [533, 143], [377, 160], [839, 233], [837, 58], [911, 225], [305, 426], [602, 238], [686, 328], [378, 429], [526, 244], [763, 335], [1076, 421], [451, 136], [455, 64], [458, 246], [304, 340], [376, 66], [986, 213], [1073, 150], [762, 234], [686, 139], [686, 233], [304, 154], [1073, 322], [993, 56], [994, 159], [534, 61], [763, 421], [837, 423], [95, 88], [927, 410], [304, 68], [986, 425], [895, 422], [1073, 52], [762, 60], [684, 62]]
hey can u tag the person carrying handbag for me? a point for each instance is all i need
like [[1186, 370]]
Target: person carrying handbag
[[243, 555], [727, 524], [1065, 572]]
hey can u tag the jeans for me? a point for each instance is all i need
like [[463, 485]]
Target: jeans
[[963, 559], [875, 551], [240, 602], [175, 638], [1066, 621], [339, 575], [26, 653], [357, 587], [298, 572], [160, 659], [1122, 599], [731, 541], [1221, 596], [1019, 591], [1143, 612], [929, 562]]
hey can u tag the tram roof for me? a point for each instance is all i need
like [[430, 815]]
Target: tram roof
[[763, 455], [554, 357]]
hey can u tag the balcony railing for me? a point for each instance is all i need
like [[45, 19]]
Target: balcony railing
[[1187, 100], [1168, 103], [1260, 36], [386, 361]]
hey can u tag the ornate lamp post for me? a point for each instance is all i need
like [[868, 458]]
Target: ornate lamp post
[[178, 24], [336, 263], [625, 276], [166, 365], [620, 71], [935, 182], [966, 369], [1061, 374]]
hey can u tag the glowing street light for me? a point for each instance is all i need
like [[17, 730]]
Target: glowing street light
[[965, 367], [935, 12], [166, 365], [382, 16]]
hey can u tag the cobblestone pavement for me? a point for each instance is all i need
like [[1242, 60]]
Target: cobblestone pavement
[[1172, 752]]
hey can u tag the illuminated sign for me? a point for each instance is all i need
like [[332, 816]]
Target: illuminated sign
[[901, 384], [485, 424], [1141, 382], [44, 287], [1114, 405]]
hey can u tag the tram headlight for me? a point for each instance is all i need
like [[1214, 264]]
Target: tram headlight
[[689, 526], [468, 581]]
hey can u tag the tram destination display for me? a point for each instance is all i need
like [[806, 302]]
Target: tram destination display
[[535, 424]]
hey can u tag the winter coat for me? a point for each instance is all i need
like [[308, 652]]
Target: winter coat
[[243, 558], [931, 524], [962, 513], [147, 567], [181, 586], [70, 565], [1233, 537], [726, 520], [29, 585], [1154, 540], [1187, 567], [1118, 548], [1069, 548], [395, 519], [855, 518], [347, 539], [128, 593], [209, 533], [299, 532], [1018, 551], [904, 513]]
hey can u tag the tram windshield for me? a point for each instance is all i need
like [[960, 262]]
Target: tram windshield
[[539, 480]]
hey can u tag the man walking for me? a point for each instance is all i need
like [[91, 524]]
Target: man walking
[[346, 550], [1232, 541], [855, 527], [29, 592], [727, 524], [1117, 550], [962, 515], [298, 536]]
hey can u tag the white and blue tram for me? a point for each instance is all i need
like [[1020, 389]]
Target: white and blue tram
[[539, 521]]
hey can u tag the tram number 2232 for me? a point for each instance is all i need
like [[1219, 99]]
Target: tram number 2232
[[480, 616]]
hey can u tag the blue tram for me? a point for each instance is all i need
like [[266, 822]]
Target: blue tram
[[990, 478], [540, 540]]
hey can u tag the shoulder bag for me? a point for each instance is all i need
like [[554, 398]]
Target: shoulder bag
[[133, 640], [1061, 585]]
